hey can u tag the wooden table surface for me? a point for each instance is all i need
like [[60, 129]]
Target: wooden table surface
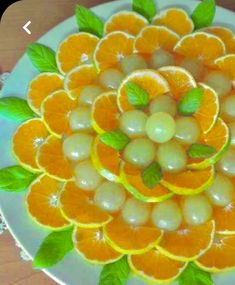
[[13, 40]]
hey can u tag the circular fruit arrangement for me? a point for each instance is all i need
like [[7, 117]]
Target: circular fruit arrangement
[[128, 147]]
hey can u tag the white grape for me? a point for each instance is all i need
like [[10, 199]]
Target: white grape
[[133, 62], [228, 106], [219, 82], [232, 133], [163, 103], [80, 119], [89, 93], [111, 78], [187, 130], [194, 66], [227, 163], [161, 58]]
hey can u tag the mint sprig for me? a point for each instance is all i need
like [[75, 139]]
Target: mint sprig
[[152, 175], [116, 273], [146, 8], [136, 95], [191, 102], [193, 275], [15, 178], [42, 57], [201, 151], [88, 22], [15, 109], [204, 14], [53, 248], [115, 139]]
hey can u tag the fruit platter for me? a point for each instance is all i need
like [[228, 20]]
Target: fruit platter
[[121, 149]]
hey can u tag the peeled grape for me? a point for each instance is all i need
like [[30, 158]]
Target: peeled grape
[[167, 215], [219, 82], [135, 212], [140, 152], [132, 62], [194, 66], [161, 58], [80, 119], [232, 133], [111, 78], [228, 106], [227, 163], [164, 104], [187, 130], [89, 94]]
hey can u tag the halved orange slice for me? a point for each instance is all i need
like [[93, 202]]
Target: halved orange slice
[[75, 50], [188, 242], [193, 46], [154, 266], [92, 246], [51, 159], [42, 203], [125, 21], [131, 239], [175, 19], [112, 48], [150, 80], [42, 86], [105, 113], [26, 141], [132, 180], [78, 207], [227, 65], [55, 112], [220, 256], [152, 38]]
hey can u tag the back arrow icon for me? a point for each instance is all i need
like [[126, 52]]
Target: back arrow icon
[[25, 27]]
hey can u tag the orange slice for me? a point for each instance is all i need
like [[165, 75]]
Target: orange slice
[[91, 245], [55, 112], [75, 50], [152, 38], [42, 202], [220, 257], [51, 159], [78, 78], [106, 160], [132, 180], [208, 113], [227, 65], [219, 138], [150, 80], [193, 46], [179, 79], [105, 113], [130, 239], [78, 207], [125, 21], [40, 87], [154, 266], [26, 141], [226, 35], [112, 48], [188, 242], [175, 19]]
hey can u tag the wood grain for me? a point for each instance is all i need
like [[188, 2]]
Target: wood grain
[[44, 15]]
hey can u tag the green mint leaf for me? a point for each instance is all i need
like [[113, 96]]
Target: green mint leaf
[[15, 109], [152, 175], [88, 22], [204, 14], [53, 249], [201, 151], [146, 8], [191, 102], [42, 57], [193, 275], [137, 96], [116, 273], [15, 178], [115, 139]]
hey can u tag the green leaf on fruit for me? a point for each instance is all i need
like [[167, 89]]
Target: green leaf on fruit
[[136, 95], [191, 102], [146, 8], [42, 57], [152, 175], [88, 22], [54, 248], [201, 151], [115, 139], [116, 273], [15, 109], [15, 178], [204, 14]]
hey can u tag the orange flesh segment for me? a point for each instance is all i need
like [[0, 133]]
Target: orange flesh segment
[[55, 111], [91, 244], [227, 65], [51, 159], [77, 205], [26, 141], [42, 202]]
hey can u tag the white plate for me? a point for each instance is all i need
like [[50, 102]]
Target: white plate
[[72, 270]]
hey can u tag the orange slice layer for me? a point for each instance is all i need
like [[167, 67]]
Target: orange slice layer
[[227, 65]]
